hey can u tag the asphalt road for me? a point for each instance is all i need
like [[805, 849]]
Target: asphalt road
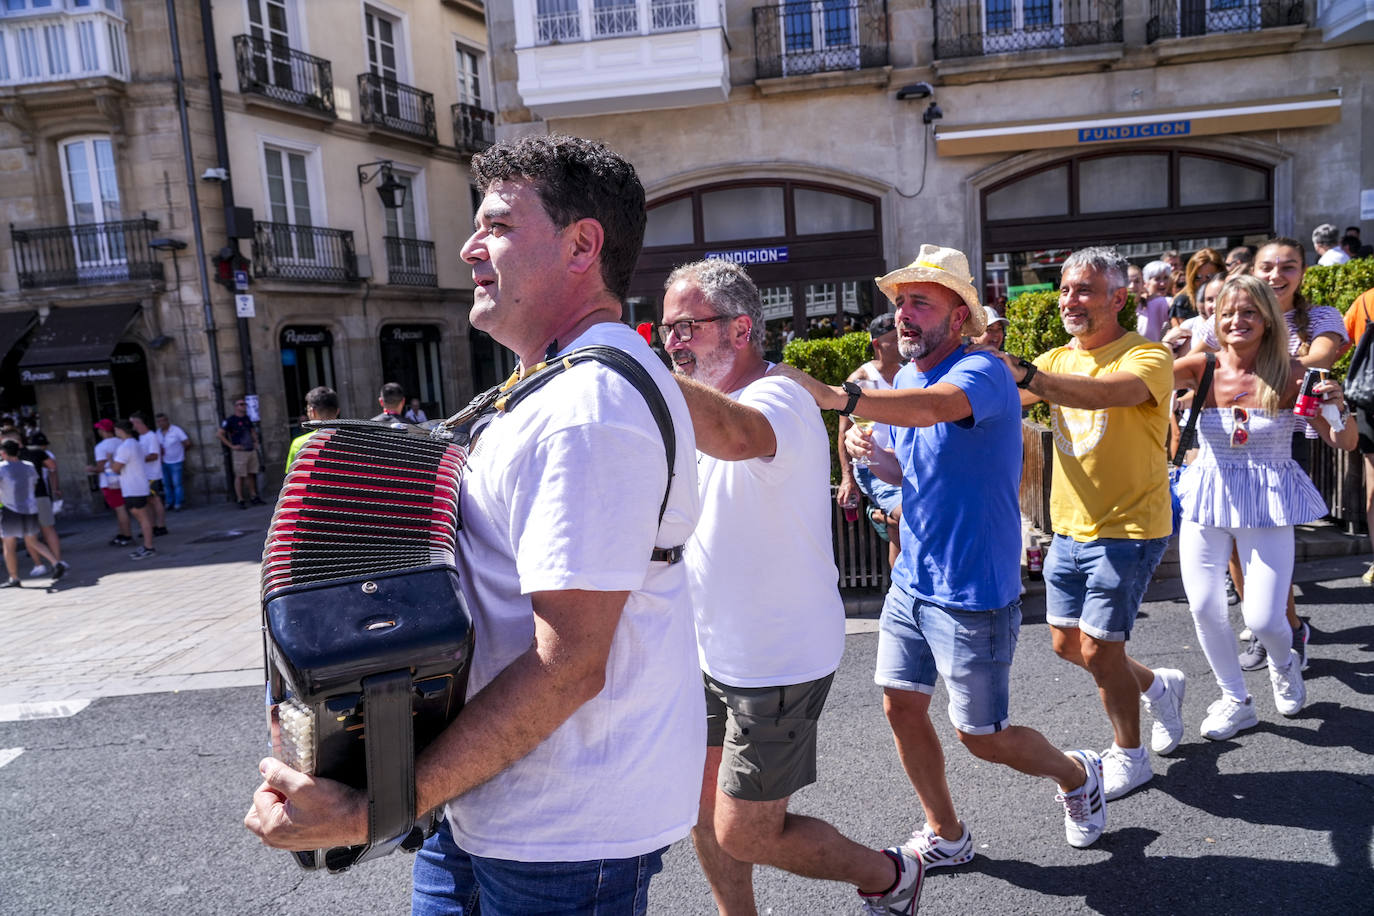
[[134, 804]]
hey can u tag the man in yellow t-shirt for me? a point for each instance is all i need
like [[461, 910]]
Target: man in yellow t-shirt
[[320, 404], [1109, 503]]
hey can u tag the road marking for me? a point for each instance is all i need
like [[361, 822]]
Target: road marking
[[61, 709], [7, 754]]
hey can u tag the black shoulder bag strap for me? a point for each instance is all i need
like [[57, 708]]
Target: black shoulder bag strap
[[1188, 437], [503, 399]]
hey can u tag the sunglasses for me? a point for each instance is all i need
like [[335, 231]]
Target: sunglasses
[[1240, 426], [684, 328]]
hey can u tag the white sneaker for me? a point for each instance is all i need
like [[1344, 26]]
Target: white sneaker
[[1085, 811], [40, 570], [1122, 772], [904, 897], [936, 851], [1225, 717], [1167, 730], [1290, 693]]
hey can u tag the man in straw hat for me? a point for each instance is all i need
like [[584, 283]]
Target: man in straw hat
[[770, 622], [1109, 502], [954, 608]]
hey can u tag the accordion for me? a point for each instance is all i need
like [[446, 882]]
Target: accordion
[[367, 637]]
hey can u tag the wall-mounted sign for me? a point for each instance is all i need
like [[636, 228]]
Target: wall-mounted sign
[[305, 337], [1134, 131], [243, 306], [775, 254], [79, 373]]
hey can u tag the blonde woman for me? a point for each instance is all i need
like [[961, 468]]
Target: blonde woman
[[1245, 488]]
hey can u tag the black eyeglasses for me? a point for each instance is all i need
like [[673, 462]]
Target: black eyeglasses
[[685, 328]]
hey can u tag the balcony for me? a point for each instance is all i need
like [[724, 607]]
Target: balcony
[[1346, 20], [309, 254], [60, 46], [410, 262], [1187, 18], [397, 107], [474, 128], [85, 255], [971, 29], [284, 75], [588, 57], [819, 36]]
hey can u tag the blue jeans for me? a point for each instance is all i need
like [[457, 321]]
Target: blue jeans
[[449, 882], [882, 494], [1097, 586], [971, 650], [174, 492]]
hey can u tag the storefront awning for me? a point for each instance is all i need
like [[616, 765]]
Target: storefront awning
[[1166, 124], [13, 327], [75, 344]]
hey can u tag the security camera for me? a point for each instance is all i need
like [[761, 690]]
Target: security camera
[[216, 174], [931, 114], [915, 91]]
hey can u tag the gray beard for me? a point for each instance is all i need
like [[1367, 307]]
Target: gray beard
[[926, 343]]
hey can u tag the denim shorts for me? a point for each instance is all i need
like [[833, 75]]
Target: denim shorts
[[880, 493], [1097, 586], [971, 650], [449, 882]]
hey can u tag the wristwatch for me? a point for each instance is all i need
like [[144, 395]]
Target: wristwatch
[[854, 391], [1029, 368]]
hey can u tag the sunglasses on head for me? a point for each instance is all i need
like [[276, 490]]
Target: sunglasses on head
[[1240, 426]]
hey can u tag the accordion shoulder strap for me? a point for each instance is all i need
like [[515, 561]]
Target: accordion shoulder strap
[[503, 398]]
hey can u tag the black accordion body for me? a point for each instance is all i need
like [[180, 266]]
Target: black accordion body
[[366, 632]]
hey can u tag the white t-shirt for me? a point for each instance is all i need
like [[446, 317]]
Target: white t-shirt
[[561, 493], [172, 442], [1333, 257], [133, 479], [761, 562], [152, 445], [104, 451]]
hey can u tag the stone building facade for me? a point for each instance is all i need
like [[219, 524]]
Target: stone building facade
[[823, 141], [103, 309]]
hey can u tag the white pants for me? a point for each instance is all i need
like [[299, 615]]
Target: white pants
[[1266, 557]]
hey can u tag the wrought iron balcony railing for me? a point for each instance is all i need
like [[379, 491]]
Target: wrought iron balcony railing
[[284, 74], [966, 28], [85, 254], [1184, 18], [816, 36], [396, 106], [410, 262], [474, 128], [312, 254]]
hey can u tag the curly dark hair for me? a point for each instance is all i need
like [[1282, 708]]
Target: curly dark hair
[[577, 179]]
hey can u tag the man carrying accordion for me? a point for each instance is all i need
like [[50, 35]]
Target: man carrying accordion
[[577, 757]]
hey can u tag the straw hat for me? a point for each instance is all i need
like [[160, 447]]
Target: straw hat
[[944, 266]]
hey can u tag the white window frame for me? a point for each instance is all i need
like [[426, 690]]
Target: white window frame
[[460, 44], [416, 176], [400, 28], [1017, 39], [314, 174], [99, 255]]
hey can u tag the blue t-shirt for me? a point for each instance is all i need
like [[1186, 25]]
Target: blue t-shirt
[[961, 515]]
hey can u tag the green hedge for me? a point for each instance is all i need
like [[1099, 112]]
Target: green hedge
[[830, 359], [1338, 286]]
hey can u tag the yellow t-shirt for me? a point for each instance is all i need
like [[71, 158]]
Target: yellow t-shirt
[[1111, 475]]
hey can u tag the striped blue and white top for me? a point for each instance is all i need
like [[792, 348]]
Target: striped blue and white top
[[1255, 485]]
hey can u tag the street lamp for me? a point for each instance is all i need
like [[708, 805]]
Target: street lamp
[[390, 190]]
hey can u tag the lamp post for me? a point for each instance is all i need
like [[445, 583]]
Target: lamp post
[[391, 191]]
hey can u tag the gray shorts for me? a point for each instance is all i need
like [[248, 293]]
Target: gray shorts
[[45, 514], [767, 736], [14, 525]]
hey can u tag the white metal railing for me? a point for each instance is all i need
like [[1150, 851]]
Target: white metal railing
[[61, 46], [612, 18]]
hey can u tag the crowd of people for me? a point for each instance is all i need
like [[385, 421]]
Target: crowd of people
[[652, 666]]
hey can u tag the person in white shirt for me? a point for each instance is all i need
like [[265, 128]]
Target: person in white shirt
[[109, 481], [128, 462], [174, 443], [770, 621], [577, 758], [152, 459], [1324, 239]]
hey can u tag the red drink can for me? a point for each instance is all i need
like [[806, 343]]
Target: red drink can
[[1309, 403]]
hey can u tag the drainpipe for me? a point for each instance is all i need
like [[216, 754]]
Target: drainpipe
[[216, 378], [226, 187]]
